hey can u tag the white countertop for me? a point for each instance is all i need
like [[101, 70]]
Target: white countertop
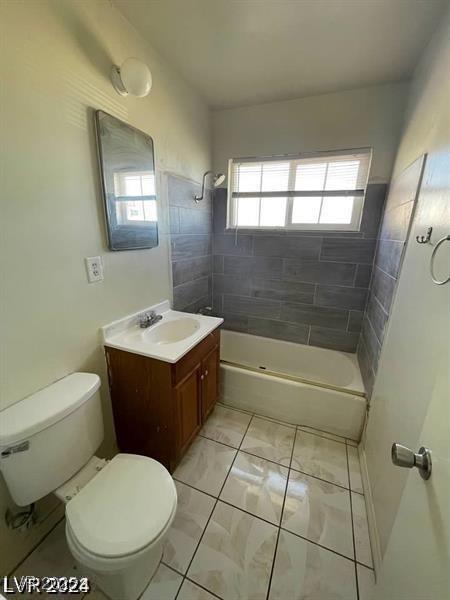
[[160, 340]]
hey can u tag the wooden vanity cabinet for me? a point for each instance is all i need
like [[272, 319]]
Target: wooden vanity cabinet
[[160, 407]]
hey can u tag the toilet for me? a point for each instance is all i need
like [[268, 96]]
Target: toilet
[[118, 512]]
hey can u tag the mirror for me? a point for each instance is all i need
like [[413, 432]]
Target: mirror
[[128, 182]]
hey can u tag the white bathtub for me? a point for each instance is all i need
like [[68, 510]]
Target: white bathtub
[[299, 384]]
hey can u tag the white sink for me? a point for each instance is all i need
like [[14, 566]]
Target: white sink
[[168, 340], [172, 331]]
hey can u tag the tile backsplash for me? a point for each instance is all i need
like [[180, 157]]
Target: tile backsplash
[[391, 243], [305, 287], [191, 245]]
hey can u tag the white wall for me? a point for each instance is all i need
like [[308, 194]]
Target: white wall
[[399, 401], [56, 59], [370, 116]]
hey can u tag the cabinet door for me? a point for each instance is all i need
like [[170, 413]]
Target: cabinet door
[[210, 381], [188, 409]]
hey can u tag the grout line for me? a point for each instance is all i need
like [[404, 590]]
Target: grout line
[[316, 285], [376, 266], [302, 537], [348, 322], [321, 431], [281, 518], [376, 299], [169, 566], [355, 275], [299, 427], [275, 421], [188, 578], [353, 526], [228, 406], [358, 562], [202, 587], [215, 504], [342, 487], [355, 564], [202, 435], [250, 513], [189, 485]]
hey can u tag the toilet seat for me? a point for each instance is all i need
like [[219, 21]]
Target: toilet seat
[[124, 509]]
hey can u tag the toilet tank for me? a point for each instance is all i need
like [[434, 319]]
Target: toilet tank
[[49, 436]]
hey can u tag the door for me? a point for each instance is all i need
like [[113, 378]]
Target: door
[[188, 409], [210, 382], [411, 403], [416, 565]]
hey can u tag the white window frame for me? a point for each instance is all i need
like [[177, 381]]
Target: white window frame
[[121, 198], [358, 194]]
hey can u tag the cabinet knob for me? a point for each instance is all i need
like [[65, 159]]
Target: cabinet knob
[[202, 377]]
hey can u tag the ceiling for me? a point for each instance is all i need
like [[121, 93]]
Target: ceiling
[[240, 52]]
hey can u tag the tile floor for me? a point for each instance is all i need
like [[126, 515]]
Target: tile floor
[[266, 510]]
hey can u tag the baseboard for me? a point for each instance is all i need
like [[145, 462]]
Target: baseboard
[[371, 519]]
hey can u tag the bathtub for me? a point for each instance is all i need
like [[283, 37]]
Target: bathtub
[[299, 384]]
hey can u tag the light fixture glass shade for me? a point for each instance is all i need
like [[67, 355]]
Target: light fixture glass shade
[[135, 78]]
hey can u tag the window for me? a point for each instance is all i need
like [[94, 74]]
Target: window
[[324, 190], [135, 196]]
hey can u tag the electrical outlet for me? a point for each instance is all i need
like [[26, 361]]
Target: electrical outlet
[[94, 268]]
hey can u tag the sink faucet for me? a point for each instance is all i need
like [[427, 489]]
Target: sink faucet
[[148, 319]]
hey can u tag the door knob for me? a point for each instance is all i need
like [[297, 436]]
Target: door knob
[[404, 457]]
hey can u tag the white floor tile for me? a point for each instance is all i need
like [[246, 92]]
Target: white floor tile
[[205, 465], [226, 425], [320, 457], [193, 511], [164, 585], [366, 583], [235, 556], [268, 439], [320, 512], [190, 591], [355, 470], [361, 528], [257, 486], [304, 571]]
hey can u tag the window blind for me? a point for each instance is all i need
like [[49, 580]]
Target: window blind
[[317, 190]]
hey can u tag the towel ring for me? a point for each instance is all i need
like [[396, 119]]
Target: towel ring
[[446, 238]]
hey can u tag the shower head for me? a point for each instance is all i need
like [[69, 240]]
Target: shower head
[[217, 180]]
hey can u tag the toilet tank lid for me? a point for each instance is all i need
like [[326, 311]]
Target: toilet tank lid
[[44, 408]]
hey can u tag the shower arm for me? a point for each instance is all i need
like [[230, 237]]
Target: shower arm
[[200, 198]]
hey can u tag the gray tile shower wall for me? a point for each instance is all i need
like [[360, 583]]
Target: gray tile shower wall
[[305, 287], [391, 243], [191, 245]]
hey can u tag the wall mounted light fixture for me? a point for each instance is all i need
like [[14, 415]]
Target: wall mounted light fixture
[[217, 180], [132, 77]]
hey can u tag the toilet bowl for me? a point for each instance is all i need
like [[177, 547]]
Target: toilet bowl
[[116, 524], [118, 512]]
